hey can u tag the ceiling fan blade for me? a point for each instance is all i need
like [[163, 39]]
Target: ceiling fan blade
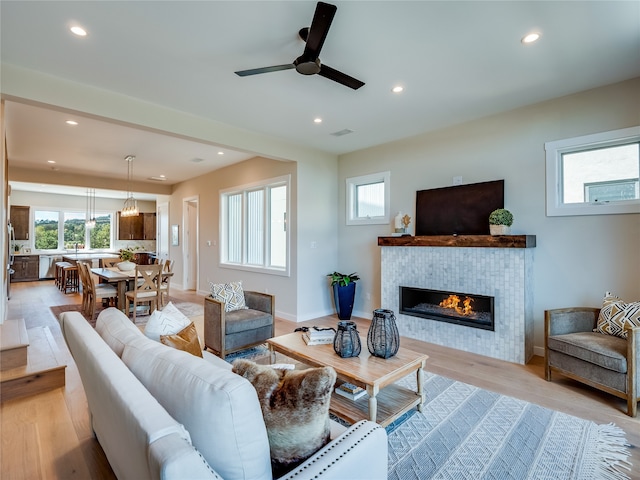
[[318, 31], [337, 76], [257, 71]]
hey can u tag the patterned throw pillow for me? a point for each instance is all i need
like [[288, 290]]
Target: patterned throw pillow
[[231, 294], [167, 321], [616, 314]]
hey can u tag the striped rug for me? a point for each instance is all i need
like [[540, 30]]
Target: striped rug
[[465, 432]]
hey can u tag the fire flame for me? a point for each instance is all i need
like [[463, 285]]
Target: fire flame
[[461, 307]]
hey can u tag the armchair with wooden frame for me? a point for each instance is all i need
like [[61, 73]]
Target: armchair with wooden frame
[[606, 362], [227, 332]]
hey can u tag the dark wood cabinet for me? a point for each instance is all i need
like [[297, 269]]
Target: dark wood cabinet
[[140, 227], [26, 268], [19, 218], [149, 226]]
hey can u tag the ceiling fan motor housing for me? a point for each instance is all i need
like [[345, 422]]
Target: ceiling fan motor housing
[[306, 66]]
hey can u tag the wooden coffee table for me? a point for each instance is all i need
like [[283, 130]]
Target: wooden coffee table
[[386, 401]]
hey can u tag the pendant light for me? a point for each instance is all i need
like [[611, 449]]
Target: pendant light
[[91, 208], [130, 208]]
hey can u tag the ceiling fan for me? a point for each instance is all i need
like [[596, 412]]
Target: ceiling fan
[[309, 62]]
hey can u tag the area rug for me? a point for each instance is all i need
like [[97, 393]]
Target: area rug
[[464, 432]]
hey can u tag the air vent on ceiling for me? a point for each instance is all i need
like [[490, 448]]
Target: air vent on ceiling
[[159, 179], [346, 131], [197, 160]]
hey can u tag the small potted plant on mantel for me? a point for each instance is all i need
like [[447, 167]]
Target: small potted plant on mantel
[[344, 293], [500, 222]]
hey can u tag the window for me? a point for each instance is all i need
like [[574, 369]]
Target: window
[[49, 236], [594, 174], [46, 228], [254, 232], [368, 199]]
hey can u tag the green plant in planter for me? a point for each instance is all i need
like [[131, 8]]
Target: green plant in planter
[[128, 254], [501, 216], [344, 293], [341, 279]]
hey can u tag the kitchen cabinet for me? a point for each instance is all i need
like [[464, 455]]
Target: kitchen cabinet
[[140, 227], [19, 218], [26, 267]]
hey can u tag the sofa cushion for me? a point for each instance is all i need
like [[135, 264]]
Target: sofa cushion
[[231, 294], [295, 406], [604, 350], [167, 321], [219, 408], [243, 320], [186, 340], [116, 329], [615, 315]]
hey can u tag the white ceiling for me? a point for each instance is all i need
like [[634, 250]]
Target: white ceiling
[[457, 60]]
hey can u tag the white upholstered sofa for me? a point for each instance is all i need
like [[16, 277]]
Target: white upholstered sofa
[[163, 413]]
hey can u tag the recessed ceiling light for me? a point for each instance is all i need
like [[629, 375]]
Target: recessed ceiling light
[[79, 31], [220, 153], [51, 161], [159, 178], [530, 38], [397, 89], [317, 120], [71, 122]]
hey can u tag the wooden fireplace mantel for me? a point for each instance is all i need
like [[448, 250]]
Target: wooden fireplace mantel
[[487, 241]]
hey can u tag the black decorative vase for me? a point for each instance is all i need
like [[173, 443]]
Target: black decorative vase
[[344, 295], [383, 339], [346, 343]]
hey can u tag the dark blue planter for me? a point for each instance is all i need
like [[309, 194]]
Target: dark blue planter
[[343, 298]]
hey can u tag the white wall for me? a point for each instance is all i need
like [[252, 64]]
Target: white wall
[[577, 258]]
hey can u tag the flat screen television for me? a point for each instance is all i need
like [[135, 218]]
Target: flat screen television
[[458, 210]]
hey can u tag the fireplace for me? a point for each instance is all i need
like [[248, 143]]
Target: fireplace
[[452, 307]]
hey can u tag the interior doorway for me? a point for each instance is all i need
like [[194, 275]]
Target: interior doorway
[[190, 253]]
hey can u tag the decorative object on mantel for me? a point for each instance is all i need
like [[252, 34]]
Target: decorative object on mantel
[[500, 221], [344, 293], [383, 338], [346, 343]]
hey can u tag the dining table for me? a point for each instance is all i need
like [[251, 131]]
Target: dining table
[[121, 279]]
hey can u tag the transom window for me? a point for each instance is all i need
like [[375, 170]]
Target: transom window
[[594, 174], [368, 199], [254, 226]]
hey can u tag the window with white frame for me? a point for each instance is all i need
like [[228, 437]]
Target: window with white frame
[[368, 199], [254, 233], [594, 174], [63, 229]]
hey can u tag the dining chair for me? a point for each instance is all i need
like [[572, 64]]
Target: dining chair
[[95, 291], [166, 281], [84, 287], [110, 262], [146, 288]]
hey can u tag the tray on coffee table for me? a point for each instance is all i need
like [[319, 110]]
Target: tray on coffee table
[[386, 401]]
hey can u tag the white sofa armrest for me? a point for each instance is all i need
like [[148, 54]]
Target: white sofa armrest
[[360, 453]]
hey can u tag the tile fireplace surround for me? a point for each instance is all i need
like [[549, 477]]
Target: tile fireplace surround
[[479, 264]]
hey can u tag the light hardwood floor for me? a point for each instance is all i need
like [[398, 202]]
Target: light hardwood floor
[[48, 436]]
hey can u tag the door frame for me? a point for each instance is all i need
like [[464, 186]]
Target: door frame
[[190, 243]]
